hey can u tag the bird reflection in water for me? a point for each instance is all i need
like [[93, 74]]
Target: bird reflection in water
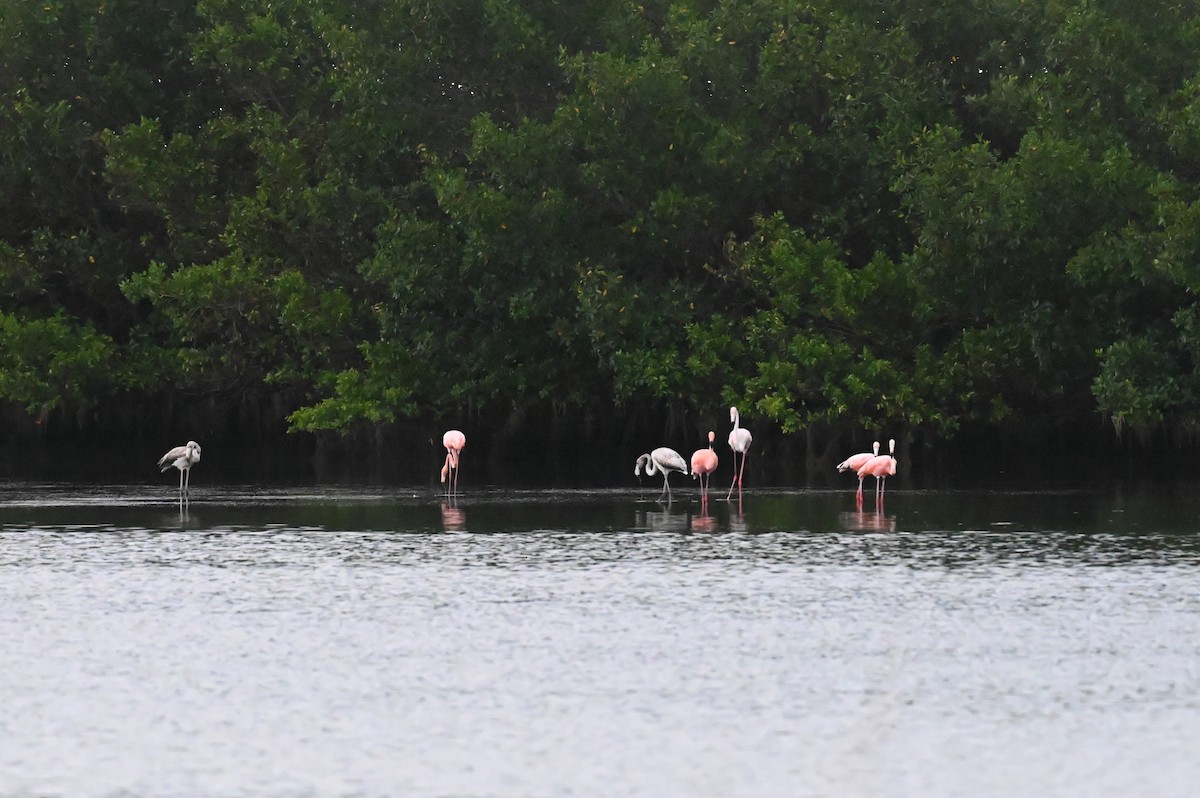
[[664, 521], [703, 522], [737, 520], [453, 519], [179, 521], [862, 521]]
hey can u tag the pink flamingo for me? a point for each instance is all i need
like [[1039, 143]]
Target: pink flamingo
[[704, 463], [881, 467], [454, 441], [857, 461], [664, 460], [739, 440]]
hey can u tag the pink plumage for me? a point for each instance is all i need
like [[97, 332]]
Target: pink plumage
[[856, 461], [455, 442], [704, 462], [881, 467]]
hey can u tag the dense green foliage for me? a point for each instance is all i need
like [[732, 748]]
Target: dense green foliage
[[837, 214]]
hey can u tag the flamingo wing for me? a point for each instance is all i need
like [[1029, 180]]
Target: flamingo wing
[[854, 462], [453, 439], [875, 466], [172, 457], [668, 459]]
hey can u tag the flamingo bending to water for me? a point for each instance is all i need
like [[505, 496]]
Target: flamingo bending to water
[[857, 461], [664, 460], [183, 458], [739, 440], [454, 441]]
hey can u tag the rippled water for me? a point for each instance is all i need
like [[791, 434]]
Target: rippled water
[[362, 643]]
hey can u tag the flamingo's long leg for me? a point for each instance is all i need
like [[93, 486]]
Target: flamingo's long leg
[[737, 477]]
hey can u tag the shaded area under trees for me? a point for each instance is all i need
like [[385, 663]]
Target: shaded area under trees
[[593, 225]]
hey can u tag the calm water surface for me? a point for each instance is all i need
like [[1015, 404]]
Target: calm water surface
[[332, 642]]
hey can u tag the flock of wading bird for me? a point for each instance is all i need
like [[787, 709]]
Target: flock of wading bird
[[704, 463], [662, 460]]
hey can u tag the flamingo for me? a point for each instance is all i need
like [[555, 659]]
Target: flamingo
[[664, 460], [857, 461], [183, 458], [881, 467], [704, 462], [454, 441], [739, 440]]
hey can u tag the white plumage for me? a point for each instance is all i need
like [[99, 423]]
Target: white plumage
[[739, 440], [183, 458], [664, 460]]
